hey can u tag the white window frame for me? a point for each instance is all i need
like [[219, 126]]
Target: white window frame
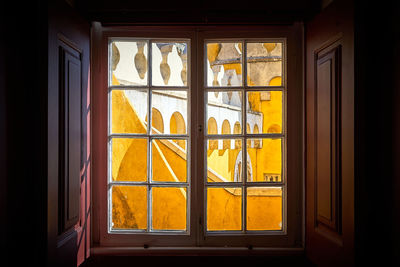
[[149, 88], [196, 238], [244, 88]]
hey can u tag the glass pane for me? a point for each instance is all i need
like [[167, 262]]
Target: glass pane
[[264, 112], [129, 159], [224, 112], [169, 208], [224, 160], [169, 160], [169, 64], [224, 208], [129, 207], [128, 111], [264, 161], [169, 112], [129, 63], [264, 64], [224, 64], [264, 208]]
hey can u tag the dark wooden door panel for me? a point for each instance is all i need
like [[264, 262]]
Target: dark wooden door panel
[[330, 136], [327, 101], [70, 130], [68, 195]]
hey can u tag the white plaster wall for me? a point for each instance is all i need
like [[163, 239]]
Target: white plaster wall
[[127, 73]]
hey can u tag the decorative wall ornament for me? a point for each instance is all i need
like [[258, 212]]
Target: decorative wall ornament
[[216, 69], [229, 74], [230, 57], [115, 57], [165, 70], [212, 54], [182, 52], [269, 47], [140, 60]]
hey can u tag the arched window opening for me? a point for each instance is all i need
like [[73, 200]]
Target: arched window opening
[[274, 128], [226, 129], [275, 81], [248, 131], [212, 128], [256, 141], [157, 121], [238, 174], [237, 130], [177, 126]]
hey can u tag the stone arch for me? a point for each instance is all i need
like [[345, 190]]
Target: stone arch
[[177, 125], [256, 141], [275, 81], [226, 129], [274, 128], [212, 128], [237, 130], [248, 131], [238, 173], [256, 129], [157, 120]]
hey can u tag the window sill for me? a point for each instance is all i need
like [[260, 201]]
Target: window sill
[[195, 251]]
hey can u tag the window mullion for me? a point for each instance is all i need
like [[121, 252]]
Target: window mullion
[[149, 180], [244, 142]]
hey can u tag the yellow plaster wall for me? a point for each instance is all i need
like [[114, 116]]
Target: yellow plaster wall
[[169, 208], [169, 211], [224, 206], [177, 163], [267, 159], [223, 162], [224, 209]]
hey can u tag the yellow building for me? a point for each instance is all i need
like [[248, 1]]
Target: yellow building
[[129, 158]]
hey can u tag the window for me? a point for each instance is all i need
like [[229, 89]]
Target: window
[[244, 88], [148, 174], [197, 140]]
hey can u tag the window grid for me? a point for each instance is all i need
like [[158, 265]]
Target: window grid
[[150, 137], [244, 136]]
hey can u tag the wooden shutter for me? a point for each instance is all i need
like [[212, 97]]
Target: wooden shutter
[[68, 158], [330, 137], [70, 136]]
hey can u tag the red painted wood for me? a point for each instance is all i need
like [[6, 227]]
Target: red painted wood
[[330, 137], [70, 245]]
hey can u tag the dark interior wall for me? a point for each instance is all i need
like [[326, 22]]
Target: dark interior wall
[[3, 148], [395, 192], [198, 11], [23, 111], [24, 98], [23, 131], [377, 109]]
